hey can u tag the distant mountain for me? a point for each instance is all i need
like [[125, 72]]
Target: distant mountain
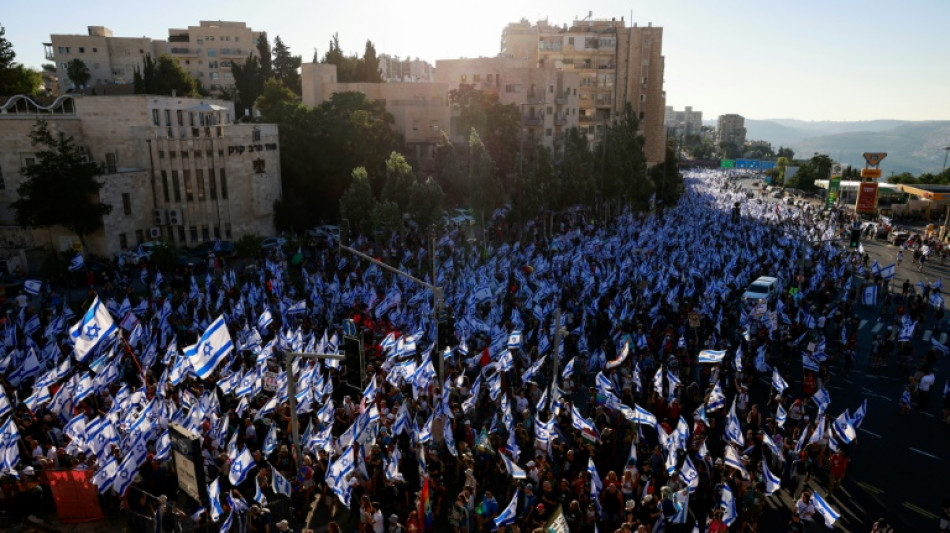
[[914, 147]]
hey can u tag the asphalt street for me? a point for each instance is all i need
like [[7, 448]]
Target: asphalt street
[[900, 464]]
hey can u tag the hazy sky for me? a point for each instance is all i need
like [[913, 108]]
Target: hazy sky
[[809, 59]]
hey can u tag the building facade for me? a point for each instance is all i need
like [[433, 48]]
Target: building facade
[[617, 65], [111, 60], [420, 110], [731, 129], [206, 51], [394, 69], [547, 98], [174, 169], [679, 124]]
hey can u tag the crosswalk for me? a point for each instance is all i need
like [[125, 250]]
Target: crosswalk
[[880, 324]]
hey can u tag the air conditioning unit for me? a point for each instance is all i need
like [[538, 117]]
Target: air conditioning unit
[[154, 233], [158, 217], [174, 217]]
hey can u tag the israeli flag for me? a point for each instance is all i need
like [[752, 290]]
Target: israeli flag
[[602, 383], [907, 330], [772, 482], [568, 369], [642, 416], [270, 443], [95, 325], [889, 271], [711, 356], [596, 485], [778, 383], [809, 363], [843, 429], [76, 263], [299, 308], [858, 418], [212, 348], [240, 467], [129, 467], [533, 369], [825, 510], [822, 399], [5, 408], [870, 295], [508, 516], [728, 503], [733, 431], [33, 286], [516, 471], [265, 319], [514, 340], [690, 475], [716, 400], [280, 484], [583, 425]]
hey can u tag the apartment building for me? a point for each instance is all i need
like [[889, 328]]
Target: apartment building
[[617, 65], [420, 110], [682, 123], [208, 50], [546, 98], [731, 129], [173, 168], [395, 69], [111, 60]]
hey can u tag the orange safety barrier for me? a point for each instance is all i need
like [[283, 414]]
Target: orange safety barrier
[[77, 499]]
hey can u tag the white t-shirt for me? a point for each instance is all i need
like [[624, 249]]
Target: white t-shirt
[[926, 382]]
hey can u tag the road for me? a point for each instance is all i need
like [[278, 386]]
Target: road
[[900, 464]]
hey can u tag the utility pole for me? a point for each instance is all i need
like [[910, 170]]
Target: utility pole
[[292, 390]]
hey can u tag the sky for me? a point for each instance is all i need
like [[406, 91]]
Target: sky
[[808, 60]]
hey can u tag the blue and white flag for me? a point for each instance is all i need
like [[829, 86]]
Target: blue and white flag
[[33, 286], [889, 271], [533, 369], [212, 348], [822, 398], [858, 418], [514, 340], [508, 516], [280, 484], [214, 497], [907, 330], [514, 470], [711, 356], [716, 400], [270, 443], [265, 319], [642, 416], [690, 475], [728, 503], [943, 349], [568, 368], [778, 383], [781, 415], [733, 431], [129, 467], [586, 427], [76, 263], [869, 296], [772, 482], [240, 467], [843, 429], [95, 326], [825, 510]]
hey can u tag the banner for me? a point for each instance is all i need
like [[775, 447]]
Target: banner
[[77, 499], [867, 198]]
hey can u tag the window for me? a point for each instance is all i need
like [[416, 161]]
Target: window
[[205, 233], [464, 78], [3, 184], [189, 192], [139, 236], [415, 125], [65, 49], [212, 52], [181, 121], [181, 234], [212, 185], [550, 89], [643, 98], [82, 50], [214, 75], [227, 230], [165, 185], [168, 117], [200, 183], [110, 163], [64, 65], [173, 154], [224, 185], [513, 88], [127, 203], [570, 41], [94, 49], [217, 231], [156, 119], [175, 186], [123, 241], [256, 135], [489, 78], [220, 152], [29, 162], [171, 235], [198, 154], [476, 77], [161, 154], [194, 233], [548, 132], [184, 154], [209, 153]]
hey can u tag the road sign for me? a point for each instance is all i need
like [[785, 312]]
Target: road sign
[[727, 163], [874, 158], [870, 173], [836, 170], [867, 198]]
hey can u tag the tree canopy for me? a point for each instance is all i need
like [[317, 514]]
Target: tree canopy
[[78, 73], [61, 188], [14, 77], [164, 77], [350, 68], [285, 66]]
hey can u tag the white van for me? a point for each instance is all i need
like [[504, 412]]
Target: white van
[[762, 291]]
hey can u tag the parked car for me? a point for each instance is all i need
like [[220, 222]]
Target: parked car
[[898, 237], [219, 248]]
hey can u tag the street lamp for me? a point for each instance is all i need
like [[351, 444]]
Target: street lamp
[[292, 389]]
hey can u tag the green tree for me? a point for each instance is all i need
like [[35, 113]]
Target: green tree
[[387, 218], [357, 202], [369, 65], [498, 125], [448, 169], [276, 103], [61, 188], [425, 203], [534, 188], [785, 152], [667, 179], [903, 177], [347, 67], [399, 181], [285, 66], [78, 73], [164, 76], [249, 83], [575, 175], [781, 164], [264, 56], [622, 172], [14, 77], [485, 190]]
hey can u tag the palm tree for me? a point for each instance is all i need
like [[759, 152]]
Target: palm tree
[[78, 73]]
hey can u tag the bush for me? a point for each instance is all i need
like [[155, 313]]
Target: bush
[[248, 246], [165, 257]]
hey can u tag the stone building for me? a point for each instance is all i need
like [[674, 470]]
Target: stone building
[[731, 129], [175, 169], [617, 65]]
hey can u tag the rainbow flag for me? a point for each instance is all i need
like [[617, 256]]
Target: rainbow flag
[[425, 507]]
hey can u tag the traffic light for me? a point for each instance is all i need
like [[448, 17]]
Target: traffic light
[[855, 239]]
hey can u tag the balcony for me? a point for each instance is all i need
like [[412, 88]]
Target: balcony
[[534, 121], [560, 99], [48, 51], [560, 120], [536, 99]]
